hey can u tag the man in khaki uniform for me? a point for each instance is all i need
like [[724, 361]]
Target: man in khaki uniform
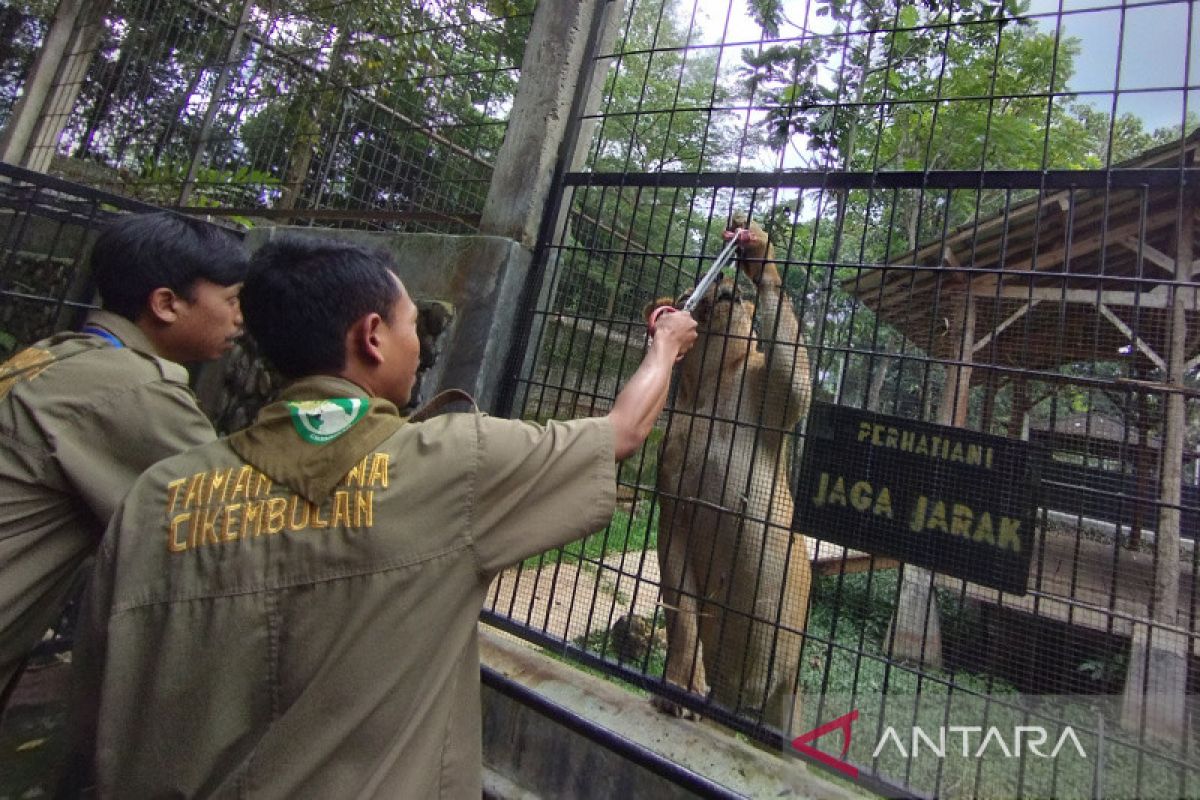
[[292, 612], [83, 414]]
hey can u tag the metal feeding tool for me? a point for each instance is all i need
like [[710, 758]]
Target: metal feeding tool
[[702, 287]]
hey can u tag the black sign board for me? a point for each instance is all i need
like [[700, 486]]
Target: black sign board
[[952, 500]]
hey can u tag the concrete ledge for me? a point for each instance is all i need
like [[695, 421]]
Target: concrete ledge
[[531, 755]]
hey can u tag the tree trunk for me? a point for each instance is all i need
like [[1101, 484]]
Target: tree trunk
[[915, 632], [878, 379]]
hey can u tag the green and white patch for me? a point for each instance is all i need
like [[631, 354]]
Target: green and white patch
[[321, 421]]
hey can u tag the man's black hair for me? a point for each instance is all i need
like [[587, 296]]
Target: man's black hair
[[139, 253], [302, 295]]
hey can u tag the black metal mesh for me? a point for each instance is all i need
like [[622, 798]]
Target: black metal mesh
[[982, 218], [46, 229]]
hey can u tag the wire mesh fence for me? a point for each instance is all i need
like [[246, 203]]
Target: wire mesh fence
[[47, 226], [936, 463], [336, 113]]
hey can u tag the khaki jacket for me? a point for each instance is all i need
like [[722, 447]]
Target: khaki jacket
[[292, 612], [80, 419]]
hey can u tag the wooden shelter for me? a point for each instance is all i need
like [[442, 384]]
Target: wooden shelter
[[1101, 271], [1066, 276]]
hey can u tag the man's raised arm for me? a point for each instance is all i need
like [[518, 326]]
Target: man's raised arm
[[640, 402]]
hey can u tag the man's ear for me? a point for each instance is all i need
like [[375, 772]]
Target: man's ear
[[163, 305], [364, 339]]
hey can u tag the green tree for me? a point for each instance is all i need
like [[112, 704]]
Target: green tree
[[365, 103]]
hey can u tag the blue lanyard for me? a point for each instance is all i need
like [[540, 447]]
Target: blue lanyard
[[103, 334]]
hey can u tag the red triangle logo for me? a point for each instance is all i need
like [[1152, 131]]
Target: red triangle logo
[[842, 723]]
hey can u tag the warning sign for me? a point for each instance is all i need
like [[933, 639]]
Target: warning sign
[[952, 500]]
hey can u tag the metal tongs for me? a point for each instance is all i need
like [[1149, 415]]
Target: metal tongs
[[702, 287]]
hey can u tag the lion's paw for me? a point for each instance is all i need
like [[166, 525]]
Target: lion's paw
[[671, 708]]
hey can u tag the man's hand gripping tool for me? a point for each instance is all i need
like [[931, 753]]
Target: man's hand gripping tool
[[701, 288]]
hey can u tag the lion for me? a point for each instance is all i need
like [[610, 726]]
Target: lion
[[735, 579]]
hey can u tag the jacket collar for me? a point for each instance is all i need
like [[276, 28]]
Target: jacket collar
[[130, 334], [319, 387]]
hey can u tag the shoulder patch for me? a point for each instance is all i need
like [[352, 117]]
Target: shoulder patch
[[321, 421], [24, 366]]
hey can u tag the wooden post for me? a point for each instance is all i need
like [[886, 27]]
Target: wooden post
[[1156, 683], [916, 630], [991, 387], [545, 128], [1143, 464], [1019, 408], [548, 132]]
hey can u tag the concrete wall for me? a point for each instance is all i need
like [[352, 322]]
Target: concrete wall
[[480, 279]]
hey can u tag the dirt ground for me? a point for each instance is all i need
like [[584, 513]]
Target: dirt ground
[[556, 598], [33, 733]]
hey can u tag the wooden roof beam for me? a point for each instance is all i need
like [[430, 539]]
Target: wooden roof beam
[[1138, 342], [1089, 245], [1055, 258], [999, 329], [913, 280], [1158, 297], [1016, 215], [1089, 205], [1034, 219], [1150, 253]]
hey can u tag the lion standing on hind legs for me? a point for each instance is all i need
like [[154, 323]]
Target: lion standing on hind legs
[[735, 579]]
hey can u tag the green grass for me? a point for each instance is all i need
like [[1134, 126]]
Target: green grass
[[641, 469], [600, 643], [995, 774]]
